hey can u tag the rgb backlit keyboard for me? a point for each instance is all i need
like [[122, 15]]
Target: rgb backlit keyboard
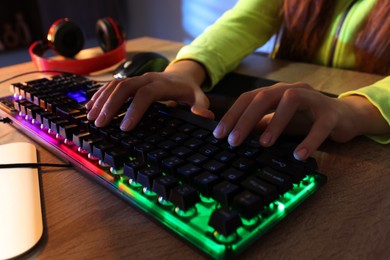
[[219, 198]]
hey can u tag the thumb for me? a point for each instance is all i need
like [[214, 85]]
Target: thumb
[[203, 112], [201, 105]]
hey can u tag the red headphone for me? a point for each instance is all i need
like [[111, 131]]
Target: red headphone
[[66, 39]]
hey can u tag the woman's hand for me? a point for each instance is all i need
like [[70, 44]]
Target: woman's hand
[[179, 82], [297, 108]]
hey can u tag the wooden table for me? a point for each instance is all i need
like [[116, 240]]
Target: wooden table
[[349, 218]]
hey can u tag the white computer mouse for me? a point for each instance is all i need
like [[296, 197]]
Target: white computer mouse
[[21, 223]]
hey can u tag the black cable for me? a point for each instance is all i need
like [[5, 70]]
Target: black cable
[[31, 72], [32, 165], [6, 120], [42, 71]]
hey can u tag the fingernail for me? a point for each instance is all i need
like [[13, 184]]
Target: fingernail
[[89, 104], [300, 154], [126, 124], [92, 114], [234, 137], [266, 138], [101, 119], [219, 131]]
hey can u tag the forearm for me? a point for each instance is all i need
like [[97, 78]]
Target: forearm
[[233, 36]]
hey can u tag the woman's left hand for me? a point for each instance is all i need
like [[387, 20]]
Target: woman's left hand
[[295, 108]]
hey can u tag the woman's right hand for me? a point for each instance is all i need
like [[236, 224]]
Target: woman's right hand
[[179, 82]]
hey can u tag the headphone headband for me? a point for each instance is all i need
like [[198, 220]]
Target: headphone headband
[[81, 67], [110, 35]]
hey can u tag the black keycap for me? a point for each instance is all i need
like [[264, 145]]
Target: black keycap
[[16, 87], [214, 141], [205, 183], [248, 204], [156, 156], [267, 191], [244, 164], [208, 150], [24, 106], [179, 137], [154, 139], [48, 119], [187, 172], [214, 166], [146, 176], [131, 168], [171, 164], [90, 141], [33, 111], [233, 175], [295, 171], [310, 164], [167, 145], [99, 148], [78, 137], [184, 197], [68, 130], [249, 152], [181, 152], [141, 150], [166, 132], [57, 123], [186, 128], [197, 159], [225, 222], [116, 157], [130, 142], [17, 104], [282, 181], [193, 143], [224, 193], [200, 133], [164, 184], [41, 115], [225, 156], [118, 136], [108, 130], [81, 120], [65, 112]]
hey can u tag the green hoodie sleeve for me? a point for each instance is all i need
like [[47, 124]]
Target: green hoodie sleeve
[[379, 95], [236, 34]]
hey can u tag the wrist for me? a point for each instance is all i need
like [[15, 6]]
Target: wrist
[[365, 117], [190, 68]]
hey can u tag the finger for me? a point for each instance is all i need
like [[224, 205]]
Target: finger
[[107, 86], [157, 89], [247, 122], [143, 98], [231, 117], [264, 122], [112, 100], [263, 101], [99, 98], [290, 102], [95, 96], [319, 132]]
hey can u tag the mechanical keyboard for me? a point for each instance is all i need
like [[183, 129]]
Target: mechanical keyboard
[[216, 197]]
